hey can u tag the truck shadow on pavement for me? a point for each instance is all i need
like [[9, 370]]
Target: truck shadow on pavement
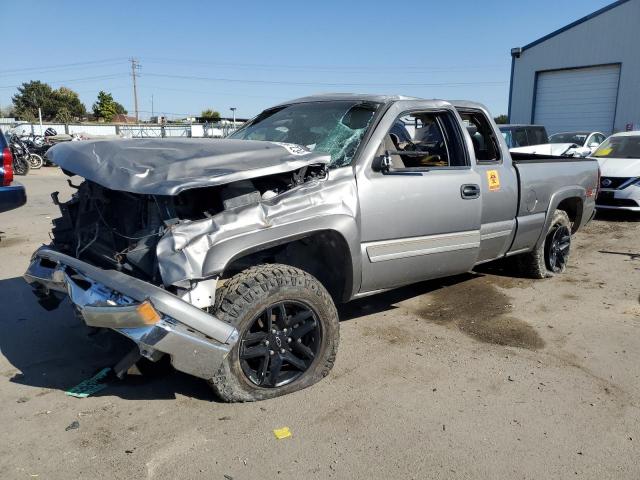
[[386, 301], [54, 350]]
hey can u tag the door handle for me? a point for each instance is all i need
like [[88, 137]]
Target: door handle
[[470, 191]]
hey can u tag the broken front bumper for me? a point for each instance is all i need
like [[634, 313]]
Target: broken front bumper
[[158, 321]]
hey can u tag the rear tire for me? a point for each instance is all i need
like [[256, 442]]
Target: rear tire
[[552, 256], [21, 166], [288, 333], [35, 161]]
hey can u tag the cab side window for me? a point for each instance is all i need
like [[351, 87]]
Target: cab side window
[[520, 137], [423, 140], [485, 142], [537, 136]]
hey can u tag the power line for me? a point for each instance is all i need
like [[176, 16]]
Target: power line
[[352, 68], [60, 67], [204, 92], [74, 80], [328, 84]]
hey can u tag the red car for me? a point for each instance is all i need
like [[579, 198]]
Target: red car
[[12, 195]]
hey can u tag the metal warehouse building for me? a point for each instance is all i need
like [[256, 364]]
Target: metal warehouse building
[[585, 76]]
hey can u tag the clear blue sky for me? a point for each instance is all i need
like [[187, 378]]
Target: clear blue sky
[[252, 54]]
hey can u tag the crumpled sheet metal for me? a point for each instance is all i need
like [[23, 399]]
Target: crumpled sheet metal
[[163, 166], [185, 252]]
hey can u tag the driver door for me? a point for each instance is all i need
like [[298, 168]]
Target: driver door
[[420, 217]]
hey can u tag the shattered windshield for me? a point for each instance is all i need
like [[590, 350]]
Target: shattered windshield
[[335, 128], [619, 147]]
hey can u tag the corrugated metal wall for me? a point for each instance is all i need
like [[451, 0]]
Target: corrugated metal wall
[[609, 38]]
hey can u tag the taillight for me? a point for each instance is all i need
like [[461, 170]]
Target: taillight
[[7, 166]]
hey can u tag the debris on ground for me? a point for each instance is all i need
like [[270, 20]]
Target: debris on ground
[[73, 426], [91, 385], [281, 433]]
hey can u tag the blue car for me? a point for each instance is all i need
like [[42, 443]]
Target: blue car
[[12, 195]]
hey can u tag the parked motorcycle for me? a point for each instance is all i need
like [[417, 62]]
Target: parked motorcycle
[[38, 146], [37, 149], [21, 156]]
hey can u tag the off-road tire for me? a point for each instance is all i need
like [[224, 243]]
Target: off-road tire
[[240, 300], [534, 264]]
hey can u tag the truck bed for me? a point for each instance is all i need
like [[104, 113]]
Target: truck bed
[[544, 181]]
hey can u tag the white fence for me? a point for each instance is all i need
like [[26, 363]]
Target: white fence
[[143, 130]]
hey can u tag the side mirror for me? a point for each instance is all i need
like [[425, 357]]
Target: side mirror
[[383, 163]]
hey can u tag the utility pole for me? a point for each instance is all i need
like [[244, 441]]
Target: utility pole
[[135, 65], [233, 109], [40, 118], [152, 105]]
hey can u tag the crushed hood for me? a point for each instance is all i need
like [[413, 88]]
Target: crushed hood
[[168, 167]]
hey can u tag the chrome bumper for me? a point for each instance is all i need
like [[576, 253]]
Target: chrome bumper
[[196, 341]]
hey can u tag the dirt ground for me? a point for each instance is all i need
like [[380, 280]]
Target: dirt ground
[[479, 376]]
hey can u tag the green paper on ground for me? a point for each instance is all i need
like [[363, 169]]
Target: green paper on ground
[[90, 386]]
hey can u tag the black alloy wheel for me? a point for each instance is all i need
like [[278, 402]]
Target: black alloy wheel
[[559, 245], [280, 344]]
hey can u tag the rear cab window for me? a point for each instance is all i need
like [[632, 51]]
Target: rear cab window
[[485, 143]]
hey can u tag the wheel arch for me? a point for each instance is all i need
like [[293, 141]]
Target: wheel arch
[[571, 198], [332, 242]]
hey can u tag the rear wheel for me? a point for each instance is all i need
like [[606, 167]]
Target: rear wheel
[[288, 328], [35, 161], [20, 165], [552, 256]]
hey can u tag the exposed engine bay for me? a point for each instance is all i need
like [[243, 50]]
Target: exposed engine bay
[[121, 230]]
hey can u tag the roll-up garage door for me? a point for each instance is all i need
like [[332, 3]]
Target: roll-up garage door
[[577, 99]]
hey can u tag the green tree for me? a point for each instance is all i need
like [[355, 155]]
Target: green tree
[[120, 110], [210, 115], [8, 111], [32, 95], [64, 115], [106, 107], [62, 102], [501, 119], [68, 105]]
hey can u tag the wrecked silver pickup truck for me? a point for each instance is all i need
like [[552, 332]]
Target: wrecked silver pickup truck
[[229, 255]]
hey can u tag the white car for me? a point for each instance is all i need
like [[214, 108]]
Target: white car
[[586, 141], [568, 144], [551, 149], [619, 159]]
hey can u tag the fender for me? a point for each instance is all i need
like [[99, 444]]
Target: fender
[[201, 249], [573, 191], [222, 254]]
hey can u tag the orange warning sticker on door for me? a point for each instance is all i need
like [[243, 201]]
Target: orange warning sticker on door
[[493, 179]]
